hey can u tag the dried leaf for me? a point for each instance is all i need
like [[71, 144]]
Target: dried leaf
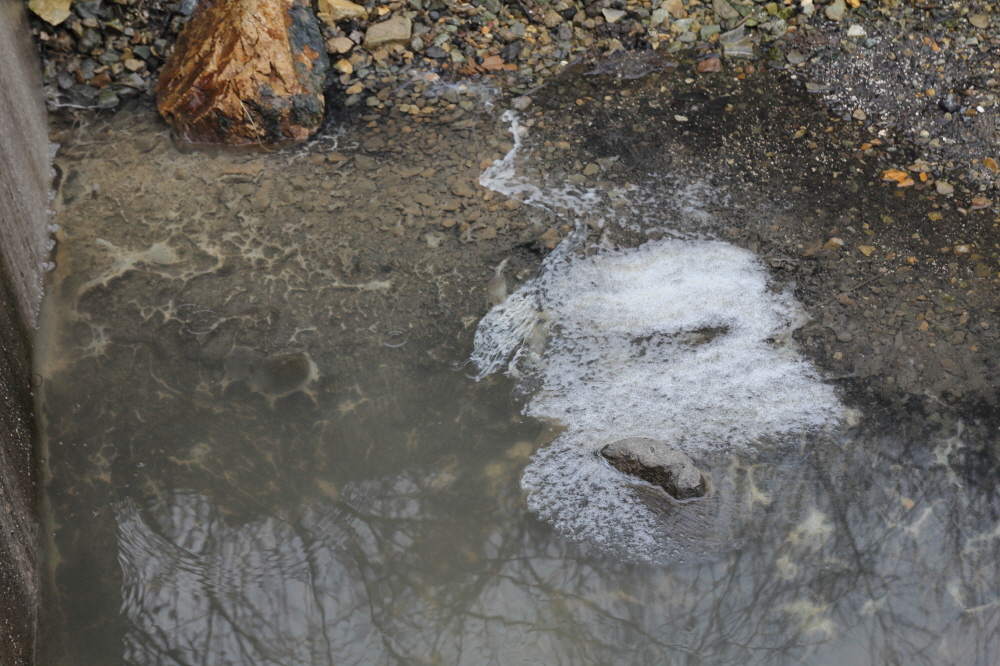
[[934, 216], [991, 164], [894, 175]]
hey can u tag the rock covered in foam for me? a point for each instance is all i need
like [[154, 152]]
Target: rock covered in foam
[[658, 463], [684, 341]]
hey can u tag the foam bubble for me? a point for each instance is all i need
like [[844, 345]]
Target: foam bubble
[[502, 177], [681, 341]]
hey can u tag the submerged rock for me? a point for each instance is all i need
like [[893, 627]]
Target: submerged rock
[[658, 463], [245, 72], [273, 376]]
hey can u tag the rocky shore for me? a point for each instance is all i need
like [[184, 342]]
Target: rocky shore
[[876, 202], [926, 70]]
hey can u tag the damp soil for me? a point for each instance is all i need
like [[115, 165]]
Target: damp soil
[[903, 307], [261, 440]]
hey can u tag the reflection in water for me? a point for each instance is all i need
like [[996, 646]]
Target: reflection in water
[[854, 558]]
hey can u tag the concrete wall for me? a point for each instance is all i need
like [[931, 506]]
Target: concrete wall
[[24, 180]]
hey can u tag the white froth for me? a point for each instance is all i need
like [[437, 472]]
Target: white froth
[[502, 177], [681, 341]]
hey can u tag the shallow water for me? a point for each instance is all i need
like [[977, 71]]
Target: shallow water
[[264, 446]]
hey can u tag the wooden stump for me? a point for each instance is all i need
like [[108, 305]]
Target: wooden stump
[[245, 72]]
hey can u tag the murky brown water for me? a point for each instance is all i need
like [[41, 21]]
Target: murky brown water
[[263, 447]]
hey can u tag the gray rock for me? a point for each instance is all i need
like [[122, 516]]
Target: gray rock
[[836, 10], [397, 30], [658, 463], [724, 10], [107, 99]]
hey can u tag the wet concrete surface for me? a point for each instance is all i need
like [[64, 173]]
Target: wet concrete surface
[[24, 189]]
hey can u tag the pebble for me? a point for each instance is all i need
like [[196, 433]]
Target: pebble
[[613, 15], [836, 10], [980, 21], [713, 64], [944, 188]]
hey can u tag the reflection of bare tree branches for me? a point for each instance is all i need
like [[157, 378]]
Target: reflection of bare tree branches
[[859, 560]]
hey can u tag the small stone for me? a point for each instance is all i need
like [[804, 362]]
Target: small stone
[[339, 45], [712, 64], [950, 103], [980, 20], [107, 99], [355, 88], [396, 30], [332, 11], [461, 189], [53, 12], [836, 10], [134, 64], [552, 19], [344, 66], [261, 199], [658, 463], [944, 188], [844, 336], [521, 103], [612, 15], [364, 162], [856, 31], [858, 114], [724, 10], [591, 170], [675, 8], [707, 31]]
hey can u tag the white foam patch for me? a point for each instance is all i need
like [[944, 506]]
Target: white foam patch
[[502, 177], [681, 341]]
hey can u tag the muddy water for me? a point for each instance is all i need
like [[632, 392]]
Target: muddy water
[[265, 445]]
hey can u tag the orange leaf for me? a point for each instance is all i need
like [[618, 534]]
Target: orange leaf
[[894, 175]]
